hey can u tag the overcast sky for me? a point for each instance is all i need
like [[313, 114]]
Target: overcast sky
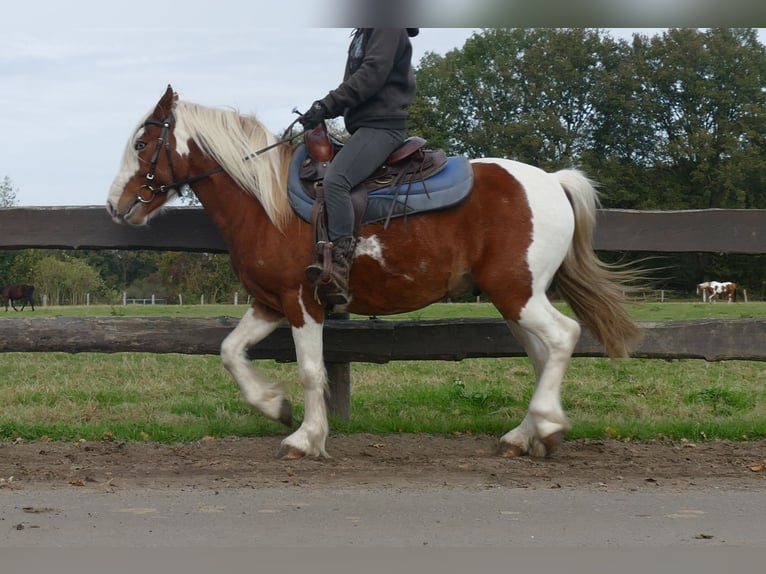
[[71, 92], [75, 78]]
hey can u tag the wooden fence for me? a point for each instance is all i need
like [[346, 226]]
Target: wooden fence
[[190, 229]]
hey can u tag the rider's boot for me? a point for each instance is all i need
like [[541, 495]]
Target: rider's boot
[[330, 281]]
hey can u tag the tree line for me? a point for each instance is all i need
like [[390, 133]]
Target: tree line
[[676, 120]]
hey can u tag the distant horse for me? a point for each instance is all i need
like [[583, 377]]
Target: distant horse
[[712, 290], [12, 293], [726, 289], [518, 231]]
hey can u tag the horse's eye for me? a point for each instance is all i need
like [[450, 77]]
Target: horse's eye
[[140, 145]]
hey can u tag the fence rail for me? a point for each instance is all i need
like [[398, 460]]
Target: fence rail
[[370, 341], [190, 229]]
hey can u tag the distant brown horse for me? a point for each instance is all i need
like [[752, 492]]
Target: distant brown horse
[[12, 293], [518, 231]]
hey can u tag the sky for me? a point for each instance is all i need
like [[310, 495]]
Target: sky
[[71, 96], [76, 78]]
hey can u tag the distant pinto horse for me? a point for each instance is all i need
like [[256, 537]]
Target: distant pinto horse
[[12, 293], [711, 291], [725, 289], [519, 230]]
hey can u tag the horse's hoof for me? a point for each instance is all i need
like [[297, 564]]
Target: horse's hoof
[[508, 450], [286, 413], [552, 442], [287, 452]]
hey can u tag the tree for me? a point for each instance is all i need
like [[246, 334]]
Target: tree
[[9, 260], [8, 193], [195, 274], [703, 94], [120, 268], [65, 281], [532, 95]]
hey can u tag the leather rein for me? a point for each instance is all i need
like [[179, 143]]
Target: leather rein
[[163, 141]]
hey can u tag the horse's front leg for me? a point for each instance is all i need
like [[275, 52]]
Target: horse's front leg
[[310, 438], [261, 393]]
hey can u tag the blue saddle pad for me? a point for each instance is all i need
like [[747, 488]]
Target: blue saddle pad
[[448, 187]]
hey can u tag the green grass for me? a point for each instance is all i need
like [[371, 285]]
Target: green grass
[[133, 396], [651, 311], [129, 311]]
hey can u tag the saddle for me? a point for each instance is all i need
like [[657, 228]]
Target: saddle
[[408, 164]]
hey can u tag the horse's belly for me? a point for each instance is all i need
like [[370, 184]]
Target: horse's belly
[[387, 281]]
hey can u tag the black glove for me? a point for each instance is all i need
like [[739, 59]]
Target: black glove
[[314, 116]]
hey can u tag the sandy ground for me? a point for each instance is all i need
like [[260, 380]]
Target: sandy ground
[[398, 461]]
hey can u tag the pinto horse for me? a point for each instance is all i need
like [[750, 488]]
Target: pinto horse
[[12, 293], [518, 231], [712, 290], [723, 288]]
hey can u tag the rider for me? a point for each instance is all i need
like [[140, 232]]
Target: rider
[[378, 86]]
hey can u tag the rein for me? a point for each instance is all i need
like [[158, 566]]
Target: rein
[[163, 141]]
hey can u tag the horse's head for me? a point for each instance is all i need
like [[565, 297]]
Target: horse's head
[[152, 169]]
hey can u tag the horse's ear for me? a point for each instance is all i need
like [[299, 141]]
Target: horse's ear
[[166, 104]]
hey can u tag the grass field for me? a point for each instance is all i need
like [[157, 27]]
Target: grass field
[[178, 398], [650, 311]]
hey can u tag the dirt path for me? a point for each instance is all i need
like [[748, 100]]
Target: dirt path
[[399, 461]]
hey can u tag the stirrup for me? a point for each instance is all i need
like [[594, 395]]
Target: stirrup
[[321, 270], [330, 294]]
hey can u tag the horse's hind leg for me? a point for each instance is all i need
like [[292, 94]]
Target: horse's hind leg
[[549, 337], [261, 393]]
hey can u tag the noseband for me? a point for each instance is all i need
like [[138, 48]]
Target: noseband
[[163, 142]]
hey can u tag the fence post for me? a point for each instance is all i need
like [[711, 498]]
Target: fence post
[[338, 398]]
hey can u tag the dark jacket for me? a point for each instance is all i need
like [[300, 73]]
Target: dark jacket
[[379, 82]]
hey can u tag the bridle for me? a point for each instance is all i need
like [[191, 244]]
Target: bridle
[[163, 142]]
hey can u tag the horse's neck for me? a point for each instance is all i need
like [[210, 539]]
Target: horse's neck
[[229, 206], [239, 217]]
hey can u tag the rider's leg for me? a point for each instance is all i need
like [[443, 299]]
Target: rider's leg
[[362, 154]]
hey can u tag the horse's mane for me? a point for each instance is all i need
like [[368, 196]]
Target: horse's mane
[[229, 137]]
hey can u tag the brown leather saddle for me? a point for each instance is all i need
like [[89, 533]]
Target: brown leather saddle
[[407, 164]]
